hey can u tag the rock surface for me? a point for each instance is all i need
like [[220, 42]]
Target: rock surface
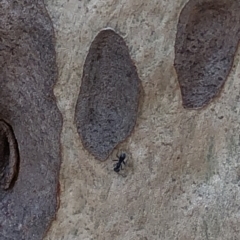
[[182, 180]]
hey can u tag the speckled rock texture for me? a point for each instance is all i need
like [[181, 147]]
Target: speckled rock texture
[[182, 178], [30, 122], [107, 105], [204, 50]]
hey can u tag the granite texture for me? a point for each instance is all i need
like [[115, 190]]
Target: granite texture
[[182, 179]]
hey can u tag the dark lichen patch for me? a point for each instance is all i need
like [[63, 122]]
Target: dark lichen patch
[[107, 105], [27, 75], [207, 38], [9, 159]]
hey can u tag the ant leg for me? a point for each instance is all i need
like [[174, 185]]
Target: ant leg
[[123, 162]]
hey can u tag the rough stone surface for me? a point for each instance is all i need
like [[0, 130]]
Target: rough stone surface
[[207, 39], [107, 105], [28, 72], [182, 179]]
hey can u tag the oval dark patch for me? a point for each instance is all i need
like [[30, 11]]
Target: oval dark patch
[[8, 156], [107, 105], [207, 38]]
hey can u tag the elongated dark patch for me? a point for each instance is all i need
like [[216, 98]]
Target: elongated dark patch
[[107, 105], [27, 75], [207, 38], [9, 158]]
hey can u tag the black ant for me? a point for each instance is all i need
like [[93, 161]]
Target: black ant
[[120, 160]]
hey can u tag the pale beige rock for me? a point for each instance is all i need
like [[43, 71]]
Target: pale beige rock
[[183, 173]]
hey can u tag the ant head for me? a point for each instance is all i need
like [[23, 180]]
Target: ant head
[[123, 155]]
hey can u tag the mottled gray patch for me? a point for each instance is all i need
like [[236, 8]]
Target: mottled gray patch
[[107, 106], [207, 38]]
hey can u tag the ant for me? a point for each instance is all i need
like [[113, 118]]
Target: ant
[[120, 160]]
